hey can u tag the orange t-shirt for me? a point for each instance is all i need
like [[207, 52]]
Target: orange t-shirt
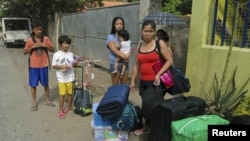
[[146, 61], [38, 58]]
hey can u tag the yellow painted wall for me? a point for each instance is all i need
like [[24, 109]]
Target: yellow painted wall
[[203, 61]]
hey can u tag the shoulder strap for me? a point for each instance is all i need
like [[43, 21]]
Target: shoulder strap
[[46, 50], [158, 49], [34, 41], [139, 47], [135, 113]]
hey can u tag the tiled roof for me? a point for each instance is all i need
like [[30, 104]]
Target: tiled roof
[[113, 3]]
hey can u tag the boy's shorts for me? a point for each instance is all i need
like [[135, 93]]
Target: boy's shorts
[[119, 68], [38, 74], [65, 88]]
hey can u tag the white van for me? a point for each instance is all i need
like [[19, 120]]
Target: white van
[[16, 31]]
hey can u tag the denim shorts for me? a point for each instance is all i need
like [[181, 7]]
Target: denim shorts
[[119, 69]]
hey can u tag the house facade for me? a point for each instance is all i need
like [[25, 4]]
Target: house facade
[[210, 37]]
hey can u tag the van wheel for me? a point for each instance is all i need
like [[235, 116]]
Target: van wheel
[[8, 45]]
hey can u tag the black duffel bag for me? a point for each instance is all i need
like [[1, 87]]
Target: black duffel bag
[[181, 82]]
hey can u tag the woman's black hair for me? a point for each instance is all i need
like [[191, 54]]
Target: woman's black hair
[[64, 38], [124, 34], [36, 23], [163, 35], [149, 22], [113, 30]]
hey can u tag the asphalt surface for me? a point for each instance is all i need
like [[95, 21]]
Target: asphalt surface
[[19, 123]]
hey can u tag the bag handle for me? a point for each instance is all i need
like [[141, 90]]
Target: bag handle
[[135, 113]]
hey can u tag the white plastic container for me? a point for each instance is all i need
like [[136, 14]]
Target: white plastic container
[[105, 133]]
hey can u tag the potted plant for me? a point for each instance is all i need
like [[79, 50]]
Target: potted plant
[[225, 100]]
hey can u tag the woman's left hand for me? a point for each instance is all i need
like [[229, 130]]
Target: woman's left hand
[[157, 80]]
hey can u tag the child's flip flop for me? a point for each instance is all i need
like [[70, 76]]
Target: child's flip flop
[[51, 104], [34, 108]]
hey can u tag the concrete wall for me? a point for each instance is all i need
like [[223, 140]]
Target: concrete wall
[[203, 60], [89, 31]]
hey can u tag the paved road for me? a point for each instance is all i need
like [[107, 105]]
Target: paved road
[[18, 123]]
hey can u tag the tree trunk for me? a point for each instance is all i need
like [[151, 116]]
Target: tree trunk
[[155, 6]]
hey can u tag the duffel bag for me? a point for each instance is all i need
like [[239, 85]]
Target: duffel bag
[[195, 128]]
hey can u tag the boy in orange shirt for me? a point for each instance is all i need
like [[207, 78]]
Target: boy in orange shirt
[[37, 47]]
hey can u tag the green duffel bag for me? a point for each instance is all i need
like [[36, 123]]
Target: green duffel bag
[[195, 128]]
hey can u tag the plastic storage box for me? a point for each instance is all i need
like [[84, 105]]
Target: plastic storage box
[[105, 133]]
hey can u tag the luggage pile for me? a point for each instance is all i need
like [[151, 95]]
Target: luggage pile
[[114, 116], [181, 118]]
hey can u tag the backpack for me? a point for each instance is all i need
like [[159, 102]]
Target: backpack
[[46, 50], [126, 120], [138, 123], [82, 101]]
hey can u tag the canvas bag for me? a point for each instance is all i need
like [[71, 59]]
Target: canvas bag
[[195, 128], [126, 120], [181, 82]]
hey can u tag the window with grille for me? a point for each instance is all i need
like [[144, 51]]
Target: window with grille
[[223, 15]]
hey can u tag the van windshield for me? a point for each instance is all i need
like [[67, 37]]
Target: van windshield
[[16, 24]]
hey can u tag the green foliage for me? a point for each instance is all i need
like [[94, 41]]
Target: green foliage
[[223, 102], [171, 6], [243, 108], [39, 9], [185, 7], [127, 0], [133, 0], [177, 7], [91, 3]]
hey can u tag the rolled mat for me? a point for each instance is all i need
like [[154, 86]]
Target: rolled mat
[[113, 101]]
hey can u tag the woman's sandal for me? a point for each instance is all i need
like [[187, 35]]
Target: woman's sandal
[[50, 104]]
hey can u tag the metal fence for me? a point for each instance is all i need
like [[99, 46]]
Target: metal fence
[[224, 14]]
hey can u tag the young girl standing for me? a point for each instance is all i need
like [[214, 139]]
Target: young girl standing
[[112, 42], [62, 61]]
